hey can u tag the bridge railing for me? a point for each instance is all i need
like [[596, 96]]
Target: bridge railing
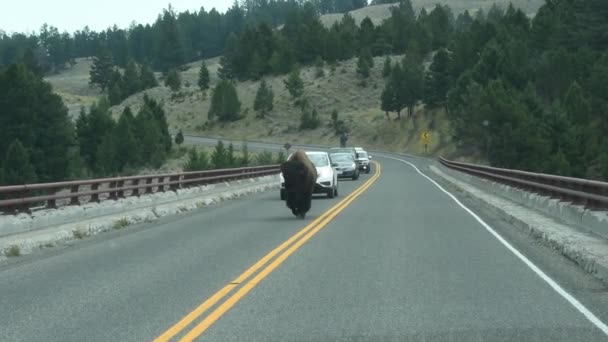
[[590, 193], [22, 198]]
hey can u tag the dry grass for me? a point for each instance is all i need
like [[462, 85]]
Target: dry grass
[[79, 234], [121, 223], [13, 251]]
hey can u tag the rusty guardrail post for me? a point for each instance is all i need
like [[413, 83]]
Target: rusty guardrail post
[[112, 193], [74, 199], [95, 197], [176, 186], [120, 193], [135, 192], [149, 185]]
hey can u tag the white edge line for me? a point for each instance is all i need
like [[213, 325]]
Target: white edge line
[[578, 305]]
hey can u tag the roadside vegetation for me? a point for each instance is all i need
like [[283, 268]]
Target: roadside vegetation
[[121, 223], [13, 251]]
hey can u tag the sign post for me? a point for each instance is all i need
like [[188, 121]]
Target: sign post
[[287, 146], [426, 138]]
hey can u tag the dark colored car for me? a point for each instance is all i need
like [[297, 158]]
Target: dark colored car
[[350, 150], [345, 164]]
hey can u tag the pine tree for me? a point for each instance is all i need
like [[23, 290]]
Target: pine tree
[[294, 84], [225, 104], [225, 72], [480, 15], [388, 98], [31, 62], [309, 119], [305, 120], [334, 117], [116, 88], [131, 79], [192, 162], [219, 157], [245, 158], [197, 161], [437, 80], [275, 63], [106, 157], [128, 151], [147, 78], [367, 33], [115, 94], [464, 21], [153, 109], [257, 67], [394, 97], [90, 130], [319, 72], [386, 69], [227, 67], [101, 70], [179, 138], [32, 113], [18, 168], [315, 119], [495, 14], [367, 56], [438, 24], [230, 158], [170, 52], [203, 77], [576, 105], [151, 140], [264, 99], [173, 80], [411, 89], [362, 67]]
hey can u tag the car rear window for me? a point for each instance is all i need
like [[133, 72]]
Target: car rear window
[[320, 160], [341, 157]]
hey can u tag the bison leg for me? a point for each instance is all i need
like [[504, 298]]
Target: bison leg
[[307, 201]]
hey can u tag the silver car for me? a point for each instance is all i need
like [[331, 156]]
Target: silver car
[[345, 164]]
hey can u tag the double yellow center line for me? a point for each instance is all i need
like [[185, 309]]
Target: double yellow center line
[[285, 250]]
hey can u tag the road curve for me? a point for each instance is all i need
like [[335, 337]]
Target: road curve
[[395, 259]]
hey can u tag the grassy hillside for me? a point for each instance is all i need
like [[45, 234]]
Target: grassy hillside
[[339, 89]]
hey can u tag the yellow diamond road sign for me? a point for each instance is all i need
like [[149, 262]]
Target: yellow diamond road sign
[[426, 136]]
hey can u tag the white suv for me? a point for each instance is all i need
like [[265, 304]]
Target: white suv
[[327, 176], [363, 159]]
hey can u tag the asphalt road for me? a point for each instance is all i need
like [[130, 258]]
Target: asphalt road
[[393, 260]]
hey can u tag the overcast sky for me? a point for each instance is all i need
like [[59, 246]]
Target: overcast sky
[[72, 15]]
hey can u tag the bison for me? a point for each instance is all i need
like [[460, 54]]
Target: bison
[[300, 176]]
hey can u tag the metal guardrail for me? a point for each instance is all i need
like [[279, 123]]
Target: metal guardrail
[[21, 198], [592, 194]]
